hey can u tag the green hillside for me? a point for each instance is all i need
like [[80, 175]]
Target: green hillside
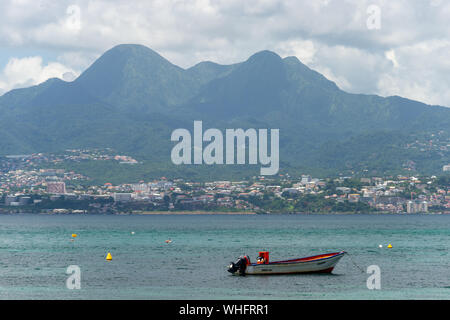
[[131, 99]]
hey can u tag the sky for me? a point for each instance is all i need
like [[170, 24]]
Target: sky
[[384, 47]]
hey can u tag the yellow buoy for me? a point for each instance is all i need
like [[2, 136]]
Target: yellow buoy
[[74, 235], [108, 257], [389, 245]]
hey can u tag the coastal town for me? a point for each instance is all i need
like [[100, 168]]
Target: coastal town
[[31, 189]]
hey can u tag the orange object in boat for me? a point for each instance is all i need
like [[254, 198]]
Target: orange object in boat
[[265, 257]]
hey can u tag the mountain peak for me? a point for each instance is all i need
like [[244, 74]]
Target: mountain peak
[[130, 49], [127, 69], [118, 56], [264, 56], [265, 63]]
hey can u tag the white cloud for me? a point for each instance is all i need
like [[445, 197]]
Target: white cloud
[[407, 56], [77, 60], [421, 74], [69, 76], [23, 72], [302, 49], [390, 55]]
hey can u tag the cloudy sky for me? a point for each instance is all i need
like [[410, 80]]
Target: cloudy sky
[[390, 47]]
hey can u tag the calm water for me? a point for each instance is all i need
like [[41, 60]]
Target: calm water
[[35, 251]]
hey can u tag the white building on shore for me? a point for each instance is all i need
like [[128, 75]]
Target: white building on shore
[[416, 207]]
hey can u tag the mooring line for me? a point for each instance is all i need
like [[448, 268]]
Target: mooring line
[[354, 263]]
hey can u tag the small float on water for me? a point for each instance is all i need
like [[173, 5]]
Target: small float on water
[[322, 263]]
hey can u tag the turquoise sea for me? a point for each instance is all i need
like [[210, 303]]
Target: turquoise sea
[[35, 251]]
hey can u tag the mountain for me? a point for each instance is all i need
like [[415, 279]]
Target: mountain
[[131, 99]]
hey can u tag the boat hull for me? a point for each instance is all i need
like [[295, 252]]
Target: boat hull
[[315, 264]]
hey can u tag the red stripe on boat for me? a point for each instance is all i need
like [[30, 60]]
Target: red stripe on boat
[[312, 258]]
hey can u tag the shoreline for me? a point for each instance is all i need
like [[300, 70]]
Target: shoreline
[[203, 212], [196, 212]]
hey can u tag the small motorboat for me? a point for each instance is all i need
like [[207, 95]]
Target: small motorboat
[[322, 263]]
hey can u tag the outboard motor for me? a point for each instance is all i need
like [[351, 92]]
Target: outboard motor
[[239, 266]]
